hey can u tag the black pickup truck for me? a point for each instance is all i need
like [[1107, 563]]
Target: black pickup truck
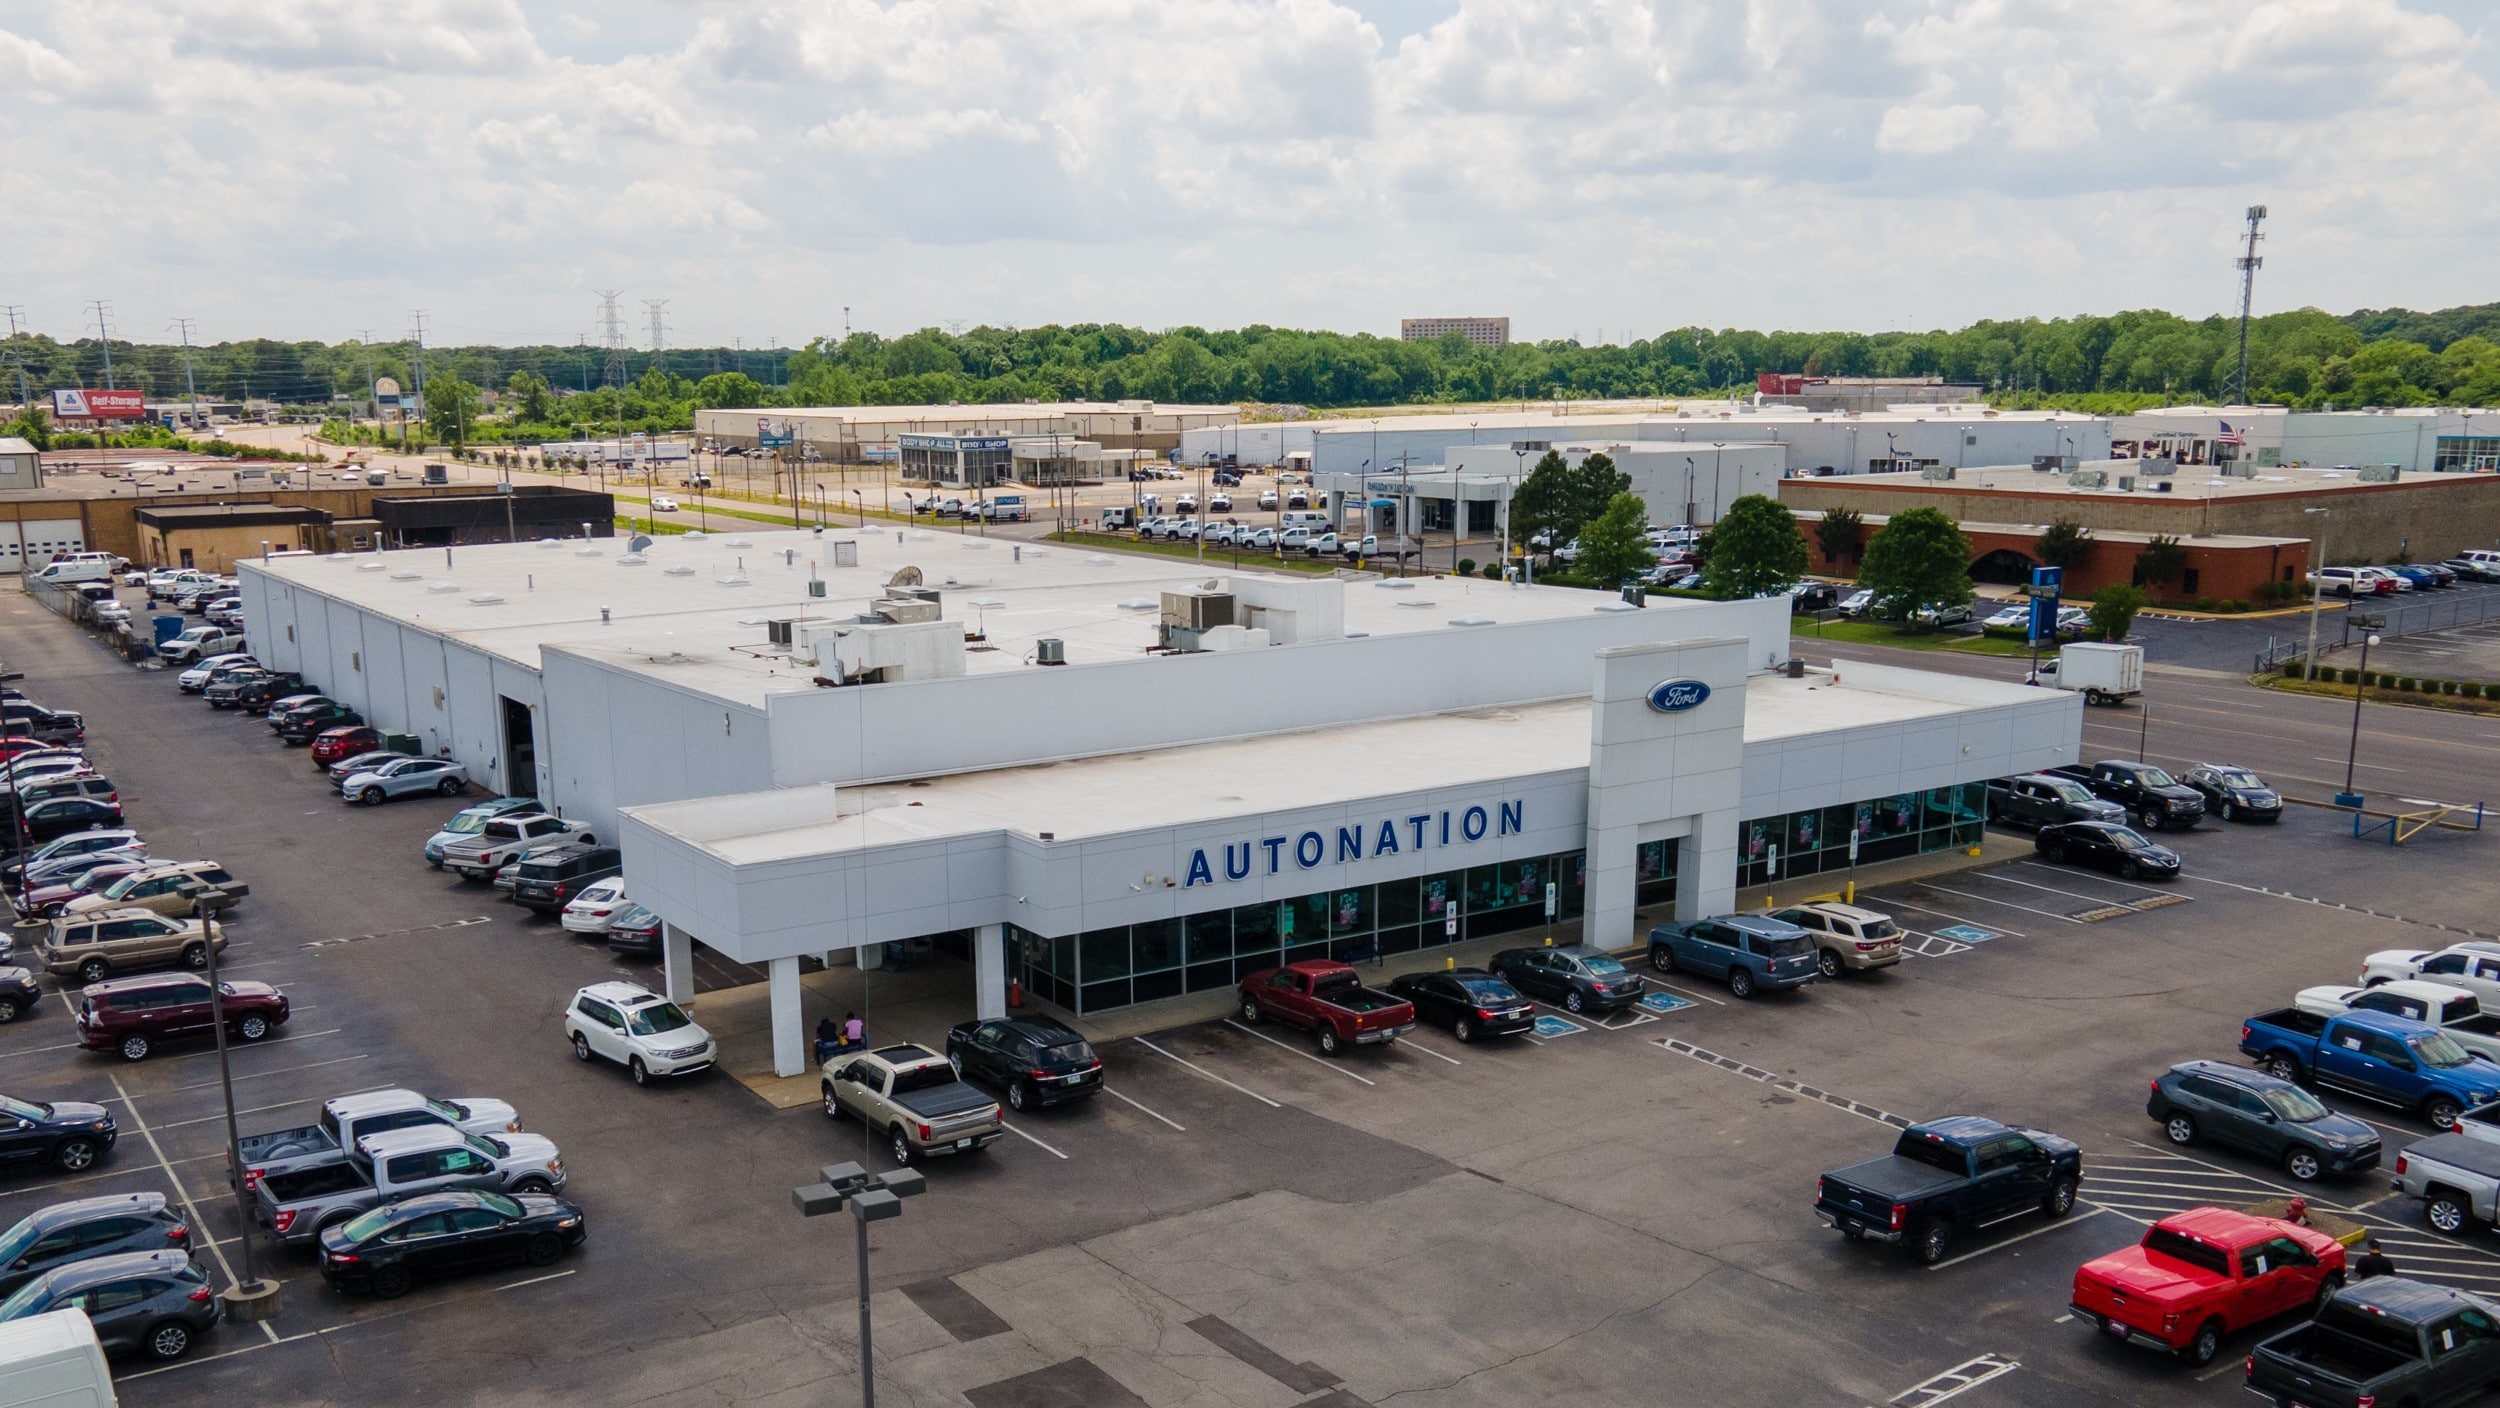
[[1950, 1176], [2385, 1340], [2153, 797], [2037, 799]]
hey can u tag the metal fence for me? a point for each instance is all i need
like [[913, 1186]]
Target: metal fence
[[2410, 614]]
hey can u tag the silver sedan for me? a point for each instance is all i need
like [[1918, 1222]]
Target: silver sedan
[[405, 777]]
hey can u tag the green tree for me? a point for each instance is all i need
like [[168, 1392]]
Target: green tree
[[1756, 548], [1559, 498], [1614, 546], [1841, 535], [450, 408], [2066, 544], [2161, 561], [1919, 559], [731, 391], [531, 402], [31, 425], [2113, 610]]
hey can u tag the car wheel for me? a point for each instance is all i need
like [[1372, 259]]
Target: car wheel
[[955, 1063], [2052, 852], [171, 1340], [900, 1146], [392, 1282], [2147, 820], [134, 1047], [2328, 1285], [2181, 1129], [195, 956], [1250, 1011], [2444, 1213], [2060, 1199], [94, 970], [2302, 1164], [1740, 982], [74, 1155], [833, 1105], [2283, 1068], [2201, 1350], [589, 840], [2127, 871], [1463, 1029], [581, 1047], [451, 787], [1574, 1002], [10, 1012], [533, 1185], [1934, 1242], [2227, 811], [641, 1073], [1828, 964], [253, 1027], [371, 796], [545, 1249], [1329, 1045], [1662, 959], [1017, 1098], [2442, 1112]]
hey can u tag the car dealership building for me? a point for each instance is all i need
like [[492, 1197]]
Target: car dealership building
[[1115, 780]]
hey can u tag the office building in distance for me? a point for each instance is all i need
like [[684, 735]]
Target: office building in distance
[[1483, 332]]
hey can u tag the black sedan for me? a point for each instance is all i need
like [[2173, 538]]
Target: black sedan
[[1575, 976], [57, 817], [1036, 1060], [2105, 845], [1469, 1001], [18, 993], [69, 1135], [389, 1249], [2234, 793]]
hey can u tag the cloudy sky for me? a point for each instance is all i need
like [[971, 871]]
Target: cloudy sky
[[1598, 168]]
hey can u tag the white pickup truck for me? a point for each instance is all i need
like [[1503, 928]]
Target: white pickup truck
[[478, 857], [2451, 1009]]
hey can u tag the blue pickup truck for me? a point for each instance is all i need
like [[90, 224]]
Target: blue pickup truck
[[2376, 1055], [1748, 952]]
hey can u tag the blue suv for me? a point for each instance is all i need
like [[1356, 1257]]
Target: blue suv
[[1749, 952]]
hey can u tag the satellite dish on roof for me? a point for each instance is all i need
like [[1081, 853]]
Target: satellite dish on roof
[[639, 544], [904, 577]]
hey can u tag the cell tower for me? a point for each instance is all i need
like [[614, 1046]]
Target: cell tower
[[653, 310], [2249, 264], [612, 336]]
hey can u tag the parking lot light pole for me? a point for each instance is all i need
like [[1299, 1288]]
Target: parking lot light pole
[[2352, 753], [250, 1298], [2317, 589], [871, 1197]]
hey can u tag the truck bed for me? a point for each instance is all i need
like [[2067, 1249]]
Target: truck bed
[[1359, 999], [2320, 1352], [940, 1102], [2293, 1020], [286, 1144], [311, 1183], [1892, 1179]]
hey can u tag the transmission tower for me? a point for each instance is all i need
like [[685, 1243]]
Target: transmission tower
[[612, 337], [24, 396], [2249, 263], [104, 335], [191, 384], [416, 368], [653, 310]]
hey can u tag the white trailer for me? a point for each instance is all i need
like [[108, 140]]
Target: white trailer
[[2103, 674]]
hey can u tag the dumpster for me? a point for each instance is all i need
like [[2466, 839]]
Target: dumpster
[[166, 627], [403, 743]]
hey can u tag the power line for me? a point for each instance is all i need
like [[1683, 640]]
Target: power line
[[24, 396], [2249, 263], [612, 337], [104, 335]]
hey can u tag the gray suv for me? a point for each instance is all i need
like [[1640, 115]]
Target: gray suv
[[157, 1302], [87, 1228], [2035, 800]]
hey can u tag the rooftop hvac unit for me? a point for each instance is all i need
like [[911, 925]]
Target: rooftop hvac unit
[[1197, 610], [777, 632], [2161, 486], [2126, 483], [901, 610], [1050, 650], [2088, 479], [1937, 474], [815, 586]]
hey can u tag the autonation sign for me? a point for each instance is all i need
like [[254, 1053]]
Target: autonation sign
[[1394, 835]]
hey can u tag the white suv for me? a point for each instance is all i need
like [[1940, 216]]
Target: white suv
[[638, 1029]]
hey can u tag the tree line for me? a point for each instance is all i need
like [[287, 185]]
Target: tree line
[[2307, 358]]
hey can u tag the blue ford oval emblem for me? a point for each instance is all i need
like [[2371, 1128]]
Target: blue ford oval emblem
[[1676, 696]]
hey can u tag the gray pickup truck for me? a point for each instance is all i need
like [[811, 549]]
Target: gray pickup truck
[[2457, 1177], [913, 1097], [2036, 799], [351, 1117], [402, 1163]]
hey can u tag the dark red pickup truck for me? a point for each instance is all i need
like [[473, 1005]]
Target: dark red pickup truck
[[1328, 999]]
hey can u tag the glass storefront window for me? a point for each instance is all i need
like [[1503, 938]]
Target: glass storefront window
[[1103, 953], [1350, 911], [1254, 929], [1209, 936], [1399, 902], [1155, 945]]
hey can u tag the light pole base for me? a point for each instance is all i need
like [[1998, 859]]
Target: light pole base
[[2352, 800], [250, 1301]]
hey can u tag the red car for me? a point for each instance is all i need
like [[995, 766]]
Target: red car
[[11, 747], [135, 1015], [2204, 1273], [334, 745]]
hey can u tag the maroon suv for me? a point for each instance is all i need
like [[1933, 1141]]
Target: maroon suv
[[133, 1015]]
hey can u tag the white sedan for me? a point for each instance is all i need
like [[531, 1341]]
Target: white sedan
[[595, 908], [662, 503], [2018, 614]]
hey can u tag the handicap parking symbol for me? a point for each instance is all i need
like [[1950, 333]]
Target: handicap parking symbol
[[1966, 933], [1664, 1001], [1557, 1026]]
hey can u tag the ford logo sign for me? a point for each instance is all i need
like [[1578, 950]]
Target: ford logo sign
[[1676, 696]]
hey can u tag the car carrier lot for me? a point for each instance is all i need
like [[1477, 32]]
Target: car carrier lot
[[1615, 1206]]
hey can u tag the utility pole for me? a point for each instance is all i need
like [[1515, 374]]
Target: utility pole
[[612, 337], [24, 396], [104, 336], [416, 369], [191, 384], [2249, 263]]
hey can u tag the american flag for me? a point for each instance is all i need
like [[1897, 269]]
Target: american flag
[[2230, 436]]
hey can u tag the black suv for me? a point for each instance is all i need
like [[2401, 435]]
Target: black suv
[[547, 883], [257, 693], [69, 1135], [298, 725], [2276, 1120], [1036, 1060], [2036, 799], [153, 1301], [2234, 793], [87, 1228]]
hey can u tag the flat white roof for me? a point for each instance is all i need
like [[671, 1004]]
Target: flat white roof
[[697, 608], [940, 416], [2188, 482], [1208, 782]]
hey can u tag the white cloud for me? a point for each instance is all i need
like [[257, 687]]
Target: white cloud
[[1630, 163]]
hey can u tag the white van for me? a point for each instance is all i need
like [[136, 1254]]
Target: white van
[[1313, 520], [83, 567], [53, 1360]]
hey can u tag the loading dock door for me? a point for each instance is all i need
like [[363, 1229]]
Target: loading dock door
[[520, 748]]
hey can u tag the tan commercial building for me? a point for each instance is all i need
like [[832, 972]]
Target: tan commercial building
[[214, 537], [859, 434], [1483, 332]]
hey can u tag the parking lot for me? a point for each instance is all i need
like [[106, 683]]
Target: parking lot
[[1582, 1215]]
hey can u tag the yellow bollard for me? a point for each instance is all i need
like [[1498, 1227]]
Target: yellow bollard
[[1549, 941], [1448, 963], [1974, 851], [1850, 893]]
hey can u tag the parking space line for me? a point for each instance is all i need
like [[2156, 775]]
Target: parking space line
[[1402, 1044], [1027, 1138], [37, 1050], [1780, 1082], [1942, 914], [1305, 1055], [2338, 904], [1107, 1090], [2009, 904], [2058, 1225], [2053, 870], [282, 1070], [212, 1119], [181, 1192], [275, 1339], [1954, 1382], [1219, 1080]]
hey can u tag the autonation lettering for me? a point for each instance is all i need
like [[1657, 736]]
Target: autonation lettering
[[1393, 836]]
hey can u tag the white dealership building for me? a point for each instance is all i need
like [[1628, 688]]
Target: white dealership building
[[1115, 780]]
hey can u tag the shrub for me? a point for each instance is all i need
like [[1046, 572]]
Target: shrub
[[2447, 686], [1466, 567], [2204, 603], [2234, 604], [1493, 571], [2404, 683], [2350, 675]]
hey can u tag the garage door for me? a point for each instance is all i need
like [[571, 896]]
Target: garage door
[[43, 540]]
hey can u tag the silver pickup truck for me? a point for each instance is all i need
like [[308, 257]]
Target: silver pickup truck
[[349, 1118], [913, 1097], [385, 1168], [505, 838], [2457, 1177]]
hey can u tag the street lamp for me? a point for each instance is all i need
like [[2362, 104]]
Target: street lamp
[[250, 1298], [2317, 589], [2352, 753], [870, 1197], [860, 499]]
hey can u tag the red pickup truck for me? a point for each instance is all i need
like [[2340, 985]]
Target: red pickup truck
[[2203, 1273], [1328, 999]]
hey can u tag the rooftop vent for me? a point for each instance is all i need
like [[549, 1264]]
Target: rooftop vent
[[733, 579], [586, 550], [439, 588], [551, 542], [1471, 619], [406, 576], [485, 598], [1137, 603], [1415, 603], [692, 535], [1097, 560], [680, 570], [736, 543], [631, 559], [369, 566], [905, 577]]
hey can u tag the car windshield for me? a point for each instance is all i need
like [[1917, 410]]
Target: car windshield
[[2440, 1051], [19, 1238], [657, 1018], [2127, 839], [501, 1205], [2155, 777], [634, 916], [2163, 1242], [2238, 777], [122, 887], [445, 1111], [1068, 1053], [928, 1077], [2072, 792], [1489, 990], [22, 1109], [1600, 966], [465, 824], [1779, 945], [364, 1227], [1880, 929], [29, 1299], [2294, 1104], [1935, 1153]]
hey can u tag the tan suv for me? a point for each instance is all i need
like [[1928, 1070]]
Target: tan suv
[[170, 889], [100, 943], [1847, 939]]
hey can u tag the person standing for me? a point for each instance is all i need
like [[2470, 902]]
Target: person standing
[[2373, 1262]]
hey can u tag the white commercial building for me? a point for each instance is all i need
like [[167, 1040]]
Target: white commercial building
[[851, 434], [1113, 780]]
